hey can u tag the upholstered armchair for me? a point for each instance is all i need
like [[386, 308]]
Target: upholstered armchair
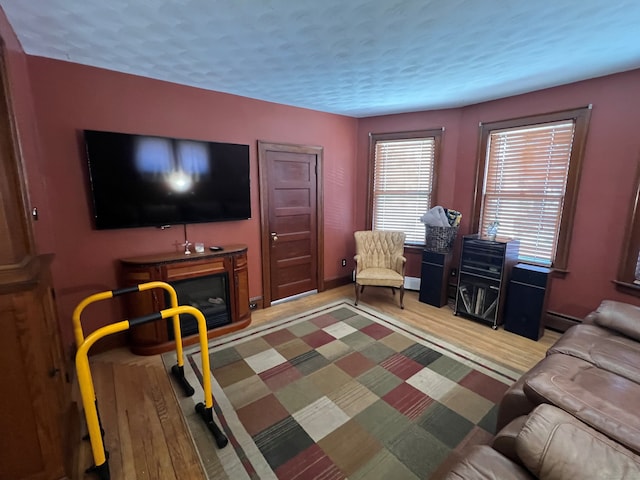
[[380, 261]]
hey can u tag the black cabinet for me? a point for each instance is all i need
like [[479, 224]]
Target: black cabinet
[[434, 278], [485, 266]]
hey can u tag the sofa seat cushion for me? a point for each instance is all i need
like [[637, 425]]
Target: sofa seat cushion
[[603, 348], [554, 445], [601, 399], [380, 277], [482, 462]]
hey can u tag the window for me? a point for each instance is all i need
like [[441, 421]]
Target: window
[[528, 172], [629, 269], [402, 181]]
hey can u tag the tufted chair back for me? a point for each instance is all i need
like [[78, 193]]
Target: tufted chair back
[[380, 260], [380, 249]]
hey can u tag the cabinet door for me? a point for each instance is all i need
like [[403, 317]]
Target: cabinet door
[[33, 435], [241, 281]]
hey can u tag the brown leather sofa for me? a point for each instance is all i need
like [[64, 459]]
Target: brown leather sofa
[[548, 444], [591, 375]]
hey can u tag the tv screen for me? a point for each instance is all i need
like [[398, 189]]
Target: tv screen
[[142, 180]]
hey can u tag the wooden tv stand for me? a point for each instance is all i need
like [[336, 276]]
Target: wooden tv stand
[[152, 338]]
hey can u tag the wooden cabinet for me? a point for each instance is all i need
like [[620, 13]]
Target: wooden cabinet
[[155, 337], [485, 266], [35, 404]]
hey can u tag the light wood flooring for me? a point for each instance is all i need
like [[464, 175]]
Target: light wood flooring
[[146, 436]]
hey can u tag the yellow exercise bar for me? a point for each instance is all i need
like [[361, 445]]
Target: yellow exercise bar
[[85, 381]]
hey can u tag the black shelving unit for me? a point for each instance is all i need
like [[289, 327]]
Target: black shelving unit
[[485, 266]]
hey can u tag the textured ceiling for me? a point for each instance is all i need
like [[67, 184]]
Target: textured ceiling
[[353, 57]]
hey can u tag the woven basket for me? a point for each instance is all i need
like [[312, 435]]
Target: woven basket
[[440, 239]]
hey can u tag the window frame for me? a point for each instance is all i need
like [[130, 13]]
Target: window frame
[[581, 117], [435, 133], [631, 244]]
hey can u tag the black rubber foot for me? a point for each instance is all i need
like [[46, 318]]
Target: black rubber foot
[[178, 374], [102, 471], [207, 416]]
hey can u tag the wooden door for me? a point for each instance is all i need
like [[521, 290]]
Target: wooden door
[[291, 220]]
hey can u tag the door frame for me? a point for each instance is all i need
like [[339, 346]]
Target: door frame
[[263, 148]]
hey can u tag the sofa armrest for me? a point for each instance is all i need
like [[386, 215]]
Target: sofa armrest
[[482, 462], [553, 444], [505, 440], [621, 317]]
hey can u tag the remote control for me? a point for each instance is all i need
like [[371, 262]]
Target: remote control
[[215, 248]]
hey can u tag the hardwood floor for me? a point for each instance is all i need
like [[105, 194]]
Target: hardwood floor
[[146, 436]]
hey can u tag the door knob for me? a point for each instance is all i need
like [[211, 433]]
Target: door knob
[[274, 236]]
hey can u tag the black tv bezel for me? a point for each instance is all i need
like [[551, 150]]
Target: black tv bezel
[[101, 224]]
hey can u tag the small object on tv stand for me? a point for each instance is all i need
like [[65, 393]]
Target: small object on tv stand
[[215, 248]]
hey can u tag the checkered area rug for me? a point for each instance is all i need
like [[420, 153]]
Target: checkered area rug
[[341, 392]]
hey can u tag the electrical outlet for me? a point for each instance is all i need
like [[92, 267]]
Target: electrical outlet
[[253, 306], [344, 262]]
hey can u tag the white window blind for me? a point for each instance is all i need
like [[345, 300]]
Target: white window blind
[[525, 183], [403, 185]]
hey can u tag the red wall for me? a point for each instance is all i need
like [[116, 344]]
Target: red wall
[[53, 101], [69, 97], [606, 186]]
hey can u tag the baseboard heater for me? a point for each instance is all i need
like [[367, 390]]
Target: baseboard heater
[[559, 321], [412, 283]]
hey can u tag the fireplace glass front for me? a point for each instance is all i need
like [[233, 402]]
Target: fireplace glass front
[[209, 294]]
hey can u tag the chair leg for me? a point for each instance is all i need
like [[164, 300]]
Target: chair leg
[[357, 294], [402, 297], [393, 291]]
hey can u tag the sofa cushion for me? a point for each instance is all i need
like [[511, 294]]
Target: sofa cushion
[[380, 277], [601, 399], [482, 462], [553, 445], [603, 348], [618, 316]]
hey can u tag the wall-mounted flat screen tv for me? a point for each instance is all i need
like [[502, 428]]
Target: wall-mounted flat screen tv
[[142, 180]]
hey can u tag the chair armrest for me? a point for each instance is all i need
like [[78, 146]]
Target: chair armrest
[[398, 263], [358, 260]]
